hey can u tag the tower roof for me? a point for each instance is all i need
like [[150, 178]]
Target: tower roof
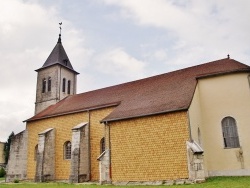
[[58, 56]]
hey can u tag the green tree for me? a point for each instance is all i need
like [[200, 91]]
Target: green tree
[[2, 172], [7, 147]]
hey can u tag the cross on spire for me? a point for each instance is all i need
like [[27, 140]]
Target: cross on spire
[[59, 39], [60, 28]]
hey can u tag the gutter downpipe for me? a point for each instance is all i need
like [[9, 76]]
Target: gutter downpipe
[[189, 125], [89, 145]]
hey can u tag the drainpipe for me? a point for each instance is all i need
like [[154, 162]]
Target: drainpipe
[[189, 126], [89, 145]]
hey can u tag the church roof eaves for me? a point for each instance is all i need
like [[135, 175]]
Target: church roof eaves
[[57, 63], [69, 112], [221, 73], [144, 115]]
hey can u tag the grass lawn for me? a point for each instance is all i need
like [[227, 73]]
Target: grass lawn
[[218, 182]]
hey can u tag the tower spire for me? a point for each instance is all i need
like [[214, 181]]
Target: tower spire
[[59, 39]]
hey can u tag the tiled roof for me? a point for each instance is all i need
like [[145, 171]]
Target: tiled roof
[[163, 93], [58, 56]]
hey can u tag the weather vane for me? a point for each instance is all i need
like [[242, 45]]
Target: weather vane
[[60, 27]]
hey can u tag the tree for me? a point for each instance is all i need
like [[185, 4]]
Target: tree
[[2, 172], [7, 147]]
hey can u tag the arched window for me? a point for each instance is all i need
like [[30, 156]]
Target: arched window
[[44, 85], [230, 133], [36, 152], [64, 85], [69, 82], [67, 150], [102, 145], [49, 84]]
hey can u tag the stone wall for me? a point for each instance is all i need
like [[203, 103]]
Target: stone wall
[[2, 160], [104, 166], [17, 163], [63, 126], [150, 148], [56, 73], [45, 160], [80, 154], [195, 162]]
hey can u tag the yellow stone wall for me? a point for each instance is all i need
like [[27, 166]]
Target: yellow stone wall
[[63, 126], [150, 148], [96, 134]]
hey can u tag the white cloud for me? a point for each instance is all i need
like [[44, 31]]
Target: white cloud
[[26, 38], [163, 34], [161, 54], [214, 26], [117, 62]]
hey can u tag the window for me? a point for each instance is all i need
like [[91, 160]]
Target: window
[[49, 84], [230, 133], [67, 150], [65, 61], [102, 145], [69, 86], [44, 85], [64, 85], [36, 152]]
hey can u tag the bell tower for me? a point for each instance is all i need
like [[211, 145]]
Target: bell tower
[[56, 79]]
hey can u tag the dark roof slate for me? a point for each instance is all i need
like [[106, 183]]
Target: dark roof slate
[[58, 56], [163, 93]]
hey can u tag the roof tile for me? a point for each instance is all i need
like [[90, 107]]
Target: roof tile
[[167, 92]]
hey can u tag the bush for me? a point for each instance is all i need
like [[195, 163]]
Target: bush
[[16, 180], [2, 172]]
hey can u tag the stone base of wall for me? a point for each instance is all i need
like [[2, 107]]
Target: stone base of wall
[[162, 182], [239, 172]]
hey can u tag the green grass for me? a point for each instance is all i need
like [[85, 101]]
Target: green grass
[[218, 182]]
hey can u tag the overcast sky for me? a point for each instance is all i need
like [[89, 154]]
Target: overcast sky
[[112, 41]]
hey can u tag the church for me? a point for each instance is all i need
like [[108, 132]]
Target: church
[[187, 125]]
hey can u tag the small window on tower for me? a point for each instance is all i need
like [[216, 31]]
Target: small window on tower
[[69, 83], [44, 85], [49, 84], [64, 85], [65, 62]]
